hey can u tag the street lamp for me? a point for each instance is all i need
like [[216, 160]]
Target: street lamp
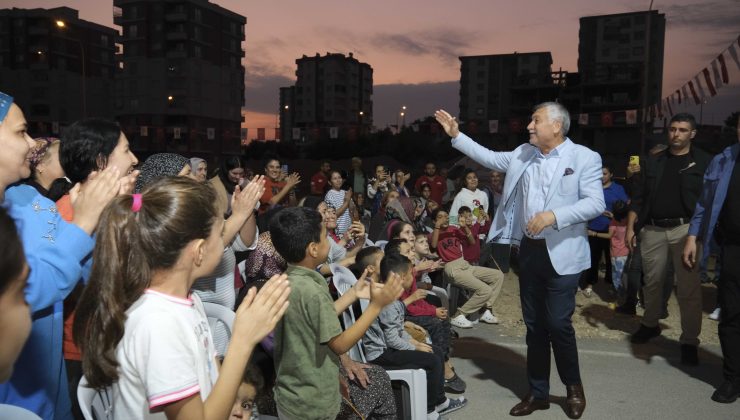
[[62, 25]]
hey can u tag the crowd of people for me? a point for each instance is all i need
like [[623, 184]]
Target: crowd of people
[[109, 266]]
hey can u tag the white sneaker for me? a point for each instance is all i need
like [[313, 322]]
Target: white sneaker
[[433, 415], [461, 322], [488, 317], [714, 316]]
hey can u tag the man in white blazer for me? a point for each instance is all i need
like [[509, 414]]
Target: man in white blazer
[[552, 189]]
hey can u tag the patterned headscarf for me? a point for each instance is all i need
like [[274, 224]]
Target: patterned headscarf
[[5, 102], [159, 165], [42, 146]]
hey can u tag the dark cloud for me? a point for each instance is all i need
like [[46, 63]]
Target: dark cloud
[[262, 86], [722, 15], [421, 100], [448, 44]]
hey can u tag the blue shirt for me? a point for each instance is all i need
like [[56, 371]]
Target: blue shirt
[[612, 193], [535, 184], [58, 255]]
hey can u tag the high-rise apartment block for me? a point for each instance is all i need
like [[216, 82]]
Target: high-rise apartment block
[[58, 67], [332, 97], [180, 85]]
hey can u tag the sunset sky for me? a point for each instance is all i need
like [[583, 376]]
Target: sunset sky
[[413, 46]]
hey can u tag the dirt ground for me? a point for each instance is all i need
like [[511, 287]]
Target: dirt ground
[[594, 318]]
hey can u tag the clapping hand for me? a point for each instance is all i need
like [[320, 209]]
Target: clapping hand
[[260, 311], [244, 201], [89, 200]]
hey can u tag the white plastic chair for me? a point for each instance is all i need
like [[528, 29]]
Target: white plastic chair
[[216, 312], [95, 405], [415, 379]]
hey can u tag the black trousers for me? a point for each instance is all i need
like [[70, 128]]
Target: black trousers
[[548, 302], [412, 359], [728, 295], [599, 247]]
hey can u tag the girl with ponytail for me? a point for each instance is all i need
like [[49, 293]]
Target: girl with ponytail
[[140, 329]]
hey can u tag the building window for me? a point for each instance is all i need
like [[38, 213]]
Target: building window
[[198, 15], [639, 35], [157, 27], [197, 51], [638, 51], [479, 99], [133, 68], [133, 31], [104, 40], [134, 103]]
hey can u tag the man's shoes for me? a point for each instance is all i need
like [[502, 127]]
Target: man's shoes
[[689, 355], [461, 322], [575, 402], [644, 334], [726, 393], [529, 405], [488, 317], [625, 310], [455, 385]]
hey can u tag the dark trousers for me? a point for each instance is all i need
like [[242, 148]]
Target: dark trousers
[[599, 247], [74, 375], [412, 359], [439, 332], [728, 295], [548, 301]]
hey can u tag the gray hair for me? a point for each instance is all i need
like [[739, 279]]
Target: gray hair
[[556, 112]]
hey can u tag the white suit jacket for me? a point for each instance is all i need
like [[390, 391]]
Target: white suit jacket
[[575, 196]]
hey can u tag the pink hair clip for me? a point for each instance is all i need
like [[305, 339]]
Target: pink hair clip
[[136, 205]]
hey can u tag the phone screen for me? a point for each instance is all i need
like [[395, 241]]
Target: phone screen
[[284, 168]]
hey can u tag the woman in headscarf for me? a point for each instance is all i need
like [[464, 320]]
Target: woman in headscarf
[[160, 165], [45, 167], [198, 169]]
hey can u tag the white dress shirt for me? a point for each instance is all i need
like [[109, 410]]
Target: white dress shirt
[[535, 184]]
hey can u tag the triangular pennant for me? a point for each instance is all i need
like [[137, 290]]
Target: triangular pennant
[[660, 109], [708, 79], [685, 93], [733, 54], [699, 88], [678, 92], [717, 77], [723, 69], [693, 92], [669, 107]]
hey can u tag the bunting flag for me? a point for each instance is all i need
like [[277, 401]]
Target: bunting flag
[[333, 132], [693, 93], [607, 119], [716, 74], [176, 133], [678, 92], [700, 89], [733, 54], [660, 109], [493, 126], [723, 69], [261, 134], [144, 131], [277, 133], [296, 133], [210, 133], [515, 125], [631, 116], [708, 81], [583, 119], [669, 107]]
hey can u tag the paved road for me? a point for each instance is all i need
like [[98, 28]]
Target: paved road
[[622, 381]]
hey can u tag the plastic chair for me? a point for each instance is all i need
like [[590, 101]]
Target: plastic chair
[[216, 312], [95, 405], [415, 401]]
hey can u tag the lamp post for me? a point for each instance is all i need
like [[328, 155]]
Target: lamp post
[[403, 116], [62, 25]]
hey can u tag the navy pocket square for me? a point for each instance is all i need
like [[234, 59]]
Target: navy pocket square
[[568, 171]]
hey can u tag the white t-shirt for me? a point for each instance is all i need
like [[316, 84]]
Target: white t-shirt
[[166, 355]]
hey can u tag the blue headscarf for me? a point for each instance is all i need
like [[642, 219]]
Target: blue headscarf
[[5, 102]]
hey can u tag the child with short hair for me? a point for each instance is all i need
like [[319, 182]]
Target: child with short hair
[[485, 283], [140, 329], [389, 345], [252, 385], [309, 339]]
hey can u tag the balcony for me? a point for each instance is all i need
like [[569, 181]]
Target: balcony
[[177, 54], [177, 35], [176, 17], [38, 30]]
